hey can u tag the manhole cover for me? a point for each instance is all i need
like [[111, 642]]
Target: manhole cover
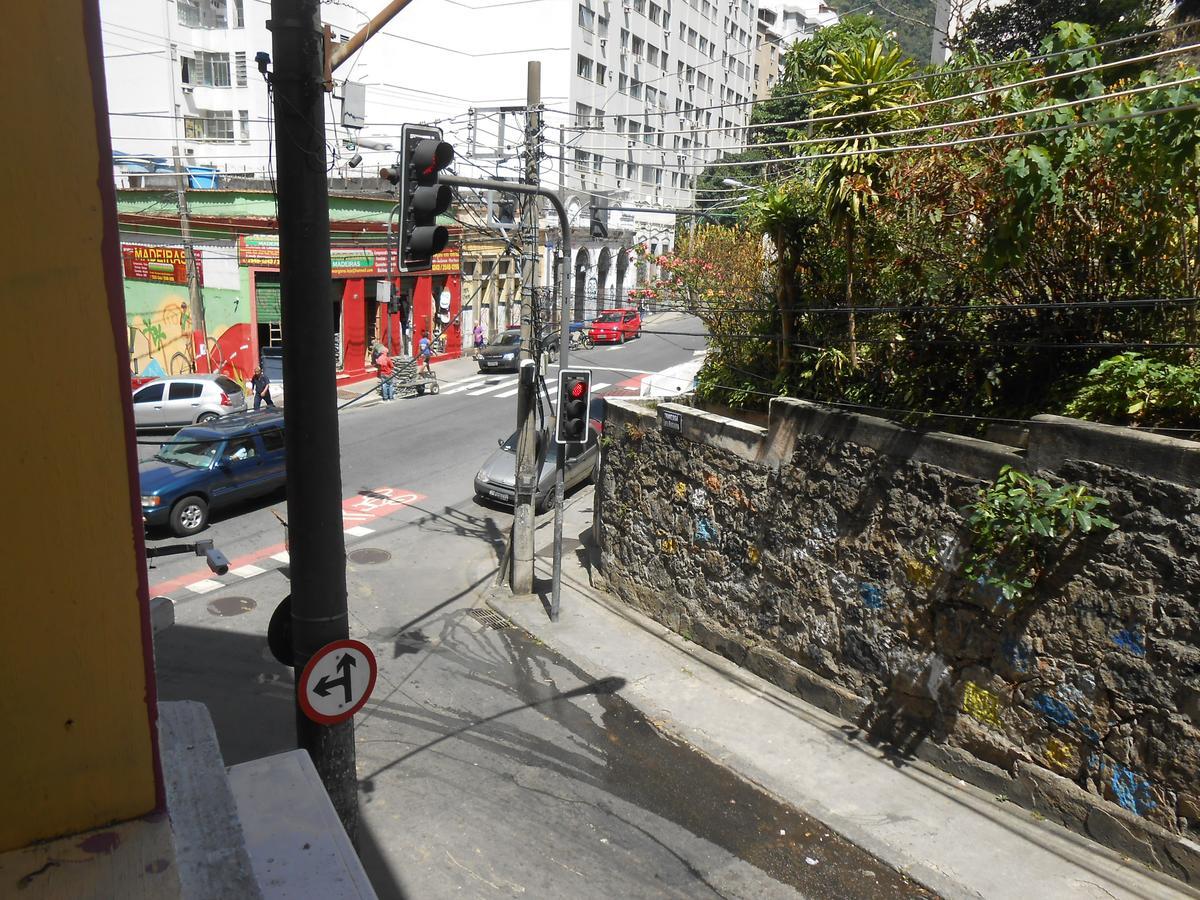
[[489, 618], [231, 606], [368, 556]]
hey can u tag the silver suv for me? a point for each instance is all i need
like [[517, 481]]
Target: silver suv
[[185, 400]]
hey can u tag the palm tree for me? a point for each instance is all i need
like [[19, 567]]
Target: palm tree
[[861, 82]]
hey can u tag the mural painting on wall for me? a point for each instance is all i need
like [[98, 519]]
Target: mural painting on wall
[[165, 341]]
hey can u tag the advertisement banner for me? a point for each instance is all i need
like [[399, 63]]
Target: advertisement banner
[[167, 265], [262, 251]]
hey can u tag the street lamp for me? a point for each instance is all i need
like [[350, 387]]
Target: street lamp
[[733, 182]]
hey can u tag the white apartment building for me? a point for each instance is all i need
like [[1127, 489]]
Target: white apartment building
[[639, 95], [797, 20]]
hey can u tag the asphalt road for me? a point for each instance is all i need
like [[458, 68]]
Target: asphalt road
[[488, 766]]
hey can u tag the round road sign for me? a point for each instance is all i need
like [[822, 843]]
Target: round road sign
[[337, 681]]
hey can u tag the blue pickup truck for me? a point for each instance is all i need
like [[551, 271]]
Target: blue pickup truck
[[204, 467]]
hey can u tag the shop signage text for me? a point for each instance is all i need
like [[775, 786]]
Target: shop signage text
[[262, 251], [163, 264]]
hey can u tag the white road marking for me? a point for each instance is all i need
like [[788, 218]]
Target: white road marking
[[699, 352], [246, 571], [282, 557], [359, 531], [511, 393], [599, 386], [493, 387], [463, 385], [204, 586]]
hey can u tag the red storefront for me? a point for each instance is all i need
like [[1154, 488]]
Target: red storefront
[[359, 296]]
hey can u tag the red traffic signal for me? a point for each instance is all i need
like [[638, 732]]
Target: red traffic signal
[[574, 389], [423, 156]]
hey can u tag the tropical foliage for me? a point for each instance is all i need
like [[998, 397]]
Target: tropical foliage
[[919, 264]]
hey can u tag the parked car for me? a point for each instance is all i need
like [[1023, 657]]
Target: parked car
[[615, 325], [497, 477], [186, 400], [204, 467], [503, 354]]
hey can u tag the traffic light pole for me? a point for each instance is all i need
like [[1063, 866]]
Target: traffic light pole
[[314, 479], [564, 336], [525, 488]]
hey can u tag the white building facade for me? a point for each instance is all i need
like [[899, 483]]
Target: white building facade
[[639, 96]]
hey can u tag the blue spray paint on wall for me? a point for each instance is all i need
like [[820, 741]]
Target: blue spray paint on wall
[[1130, 641], [1132, 790], [1017, 654], [871, 595], [706, 532], [1054, 710], [1089, 735]]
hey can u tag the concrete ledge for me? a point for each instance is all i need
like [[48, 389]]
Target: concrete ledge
[[965, 455], [1055, 439], [739, 438], [210, 849]]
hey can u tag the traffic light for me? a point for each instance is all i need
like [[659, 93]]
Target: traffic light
[[422, 199], [574, 398]]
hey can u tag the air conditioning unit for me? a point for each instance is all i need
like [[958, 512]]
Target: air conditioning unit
[[187, 89], [603, 44], [628, 8]]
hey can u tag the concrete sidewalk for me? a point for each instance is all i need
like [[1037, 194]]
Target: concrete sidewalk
[[952, 837]]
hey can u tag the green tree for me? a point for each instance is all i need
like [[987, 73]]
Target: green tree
[[863, 83], [1022, 24]]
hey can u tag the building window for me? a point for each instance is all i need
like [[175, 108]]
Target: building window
[[587, 18], [205, 69], [624, 39], [239, 60], [203, 13], [623, 83], [583, 67], [583, 115], [244, 126], [635, 89], [601, 73], [639, 47], [639, 6], [655, 13], [600, 118], [210, 125], [603, 30], [652, 54]]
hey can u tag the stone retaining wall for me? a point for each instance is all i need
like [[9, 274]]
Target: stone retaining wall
[[824, 553]]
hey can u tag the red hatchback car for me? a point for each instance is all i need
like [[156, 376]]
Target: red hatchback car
[[615, 325]]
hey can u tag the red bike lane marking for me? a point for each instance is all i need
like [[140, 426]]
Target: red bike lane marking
[[365, 506]]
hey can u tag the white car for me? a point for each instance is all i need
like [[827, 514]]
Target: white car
[[186, 400]]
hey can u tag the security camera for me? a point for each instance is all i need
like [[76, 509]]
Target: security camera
[[355, 160]]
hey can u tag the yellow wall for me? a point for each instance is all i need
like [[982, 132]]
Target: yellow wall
[[76, 703]]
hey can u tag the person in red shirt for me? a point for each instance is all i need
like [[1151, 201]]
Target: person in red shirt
[[386, 370]]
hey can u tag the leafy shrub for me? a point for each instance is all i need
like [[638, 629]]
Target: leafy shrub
[[1138, 390], [1015, 525]]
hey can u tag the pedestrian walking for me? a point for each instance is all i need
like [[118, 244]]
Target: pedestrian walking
[[261, 385], [426, 352], [477, 334], [387, 371]]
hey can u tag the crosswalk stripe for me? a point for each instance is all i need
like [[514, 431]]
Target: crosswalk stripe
[[204, 586], [464, 385], [511, 393], [492, 387], [599, 385], [359, 531], [595, 387], [282, 557], [246, 571]]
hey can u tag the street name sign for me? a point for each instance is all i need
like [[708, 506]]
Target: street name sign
[[337, 681]]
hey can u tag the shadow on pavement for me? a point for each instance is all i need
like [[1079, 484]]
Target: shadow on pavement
[[250, 698]]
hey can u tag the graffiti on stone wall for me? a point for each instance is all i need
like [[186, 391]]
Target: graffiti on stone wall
[[699, 499], [919, 574], [1017, 654], [1131, 641], [712, 482], [1129, 788], [1053, 709], [706, 531], [680, 490], [752, 555], [981, 705], [1060, 755], [870, 595]]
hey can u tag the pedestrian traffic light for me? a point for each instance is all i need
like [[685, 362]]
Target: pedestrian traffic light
[[422, 199], [574, 398]]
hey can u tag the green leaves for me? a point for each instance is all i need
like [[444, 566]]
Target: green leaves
[[1134, 389], [1017, 522]]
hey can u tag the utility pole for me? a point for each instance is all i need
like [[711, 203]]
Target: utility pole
[[195, 294], [314, 480], [527, 442]]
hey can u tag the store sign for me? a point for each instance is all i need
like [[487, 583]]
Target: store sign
[[167, 265], [448, 262], [262, 251]]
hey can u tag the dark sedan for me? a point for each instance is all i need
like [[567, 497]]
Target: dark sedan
[[504, 353], [208, 466]]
